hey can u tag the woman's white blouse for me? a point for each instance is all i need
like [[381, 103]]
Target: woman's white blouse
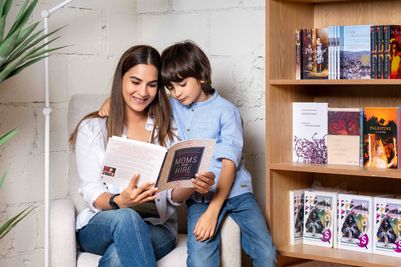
[[89, 153]]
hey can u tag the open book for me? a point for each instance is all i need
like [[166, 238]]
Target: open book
[[166, 167]]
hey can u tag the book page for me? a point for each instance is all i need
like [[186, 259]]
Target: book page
[[124, 157], [184, 159]]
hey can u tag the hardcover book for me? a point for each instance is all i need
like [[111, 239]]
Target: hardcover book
[[387, 227], [166, 167], [320, 212], [355, 223], [344, 133], [309, 125], [296, 216], [355, 52], [380, 140]]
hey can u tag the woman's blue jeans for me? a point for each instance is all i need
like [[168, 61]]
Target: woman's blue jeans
[[125, 239]]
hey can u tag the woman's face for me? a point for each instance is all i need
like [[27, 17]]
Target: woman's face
[[139, 86]]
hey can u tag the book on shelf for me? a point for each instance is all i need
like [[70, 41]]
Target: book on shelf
[[355, 52], [380, 137], [314, 48], [166, 167], [309, 125], [386, 52], [395, 51], [355, 223], [320, 213], [380, 50], [373, 52], [296, 216], [344, 135], [387, 226]]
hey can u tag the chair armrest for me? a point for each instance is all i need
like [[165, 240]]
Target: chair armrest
[[230, 244], [63, 249]]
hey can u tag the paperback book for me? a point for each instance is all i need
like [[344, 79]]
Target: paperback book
[[296, 216], [167, 168], [309, 124], [387, 228], [380, 137], [320, 212], [355, 223], [395, 51]]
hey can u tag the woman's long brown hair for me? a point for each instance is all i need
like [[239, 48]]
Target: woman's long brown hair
[[159, 109]]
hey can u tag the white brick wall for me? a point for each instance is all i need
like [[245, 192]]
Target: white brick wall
[[231, 32]]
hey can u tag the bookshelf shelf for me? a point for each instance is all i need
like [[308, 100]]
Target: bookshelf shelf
[[337, 169], [335, 82], [337, 256], [283, 17]]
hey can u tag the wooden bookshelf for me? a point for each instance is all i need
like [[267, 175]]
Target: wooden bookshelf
[[283, 17]]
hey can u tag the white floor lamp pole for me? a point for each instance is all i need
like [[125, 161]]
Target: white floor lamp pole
[[47, 112]]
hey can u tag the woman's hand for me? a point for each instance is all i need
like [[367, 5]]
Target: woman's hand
[[105, 108], [203, 182], [134, 195]]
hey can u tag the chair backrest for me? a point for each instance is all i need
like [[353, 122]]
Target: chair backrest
[[79, 106]]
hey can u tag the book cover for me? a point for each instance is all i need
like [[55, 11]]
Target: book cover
[[380, 137], [343, 140], [296, 216], [166, 167], [355, 223], [395, 52], [320, 211], [314, 53], [387, 227], [355, 52], [309, 126]]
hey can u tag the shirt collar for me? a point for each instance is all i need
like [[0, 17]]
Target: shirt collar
[[211, 99]]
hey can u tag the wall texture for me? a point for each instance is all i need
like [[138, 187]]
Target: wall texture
[[231, 32]]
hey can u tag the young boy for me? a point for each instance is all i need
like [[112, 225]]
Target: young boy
[[200, 112]]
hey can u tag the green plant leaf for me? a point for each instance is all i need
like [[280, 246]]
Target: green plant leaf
[[24, 65], [7, 46], [23, 16], [7, 7], [1, 7], [2, 26], [2, 179], [6, 137], [25, 32], [10, 223]]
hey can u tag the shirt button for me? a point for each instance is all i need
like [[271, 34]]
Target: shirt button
[[188, 130], [192, 110]]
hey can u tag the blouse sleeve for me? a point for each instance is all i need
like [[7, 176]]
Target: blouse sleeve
[[89, 153]]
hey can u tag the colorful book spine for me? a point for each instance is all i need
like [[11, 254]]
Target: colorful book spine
[[298, 54], [386, 60], [395, 52], [380, 137], [355, 223], [387, 227], [380, 55], [296, 216], [373, 52]]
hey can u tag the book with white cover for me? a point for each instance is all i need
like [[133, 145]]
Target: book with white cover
[[296, 216], [165, 167], [355, 223], [320, 212], [309, 126], [387, 227]]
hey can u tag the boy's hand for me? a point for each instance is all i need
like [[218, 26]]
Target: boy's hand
[[203, 182], [206, 226], [105, 108]]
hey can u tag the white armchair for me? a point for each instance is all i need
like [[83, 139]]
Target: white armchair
[[63, 246]]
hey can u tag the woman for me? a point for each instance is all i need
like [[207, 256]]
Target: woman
[[134, 226]]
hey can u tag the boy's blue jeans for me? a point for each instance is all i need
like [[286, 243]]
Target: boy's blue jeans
[[255, 237], [124, 239]]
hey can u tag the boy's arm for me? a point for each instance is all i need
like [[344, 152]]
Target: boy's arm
[[206, 225], [202, 184]]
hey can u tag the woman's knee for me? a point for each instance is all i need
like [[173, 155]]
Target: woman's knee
[[128, 218]]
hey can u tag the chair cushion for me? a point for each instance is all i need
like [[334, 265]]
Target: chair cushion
[[177, 257]]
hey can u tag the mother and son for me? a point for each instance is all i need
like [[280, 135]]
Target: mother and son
[[136, 226]]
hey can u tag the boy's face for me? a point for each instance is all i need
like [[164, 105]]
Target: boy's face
[[188, 91]]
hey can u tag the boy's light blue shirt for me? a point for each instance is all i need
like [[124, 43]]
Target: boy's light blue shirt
[[219, 119]]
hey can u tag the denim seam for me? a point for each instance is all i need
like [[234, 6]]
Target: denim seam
[[139, 238]]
